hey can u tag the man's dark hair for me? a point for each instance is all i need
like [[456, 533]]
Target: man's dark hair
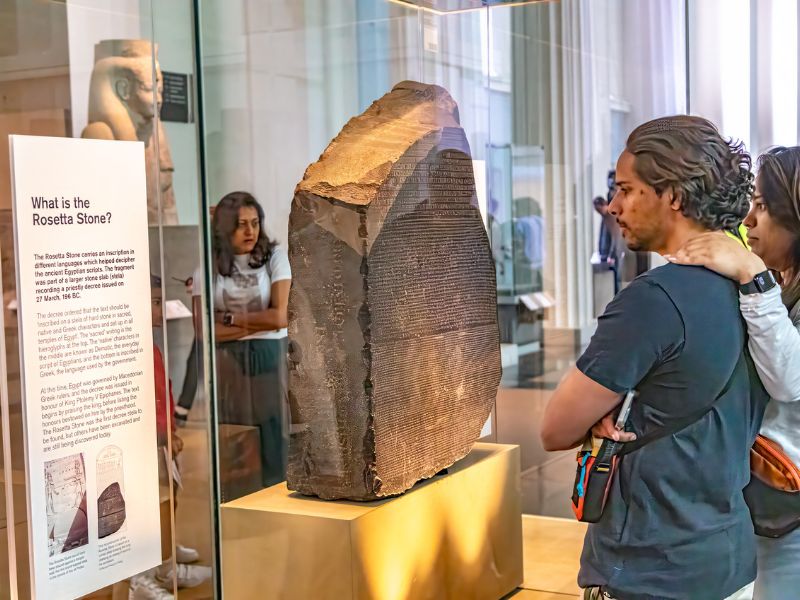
[[710, 175], [225, 222], [598, 201]]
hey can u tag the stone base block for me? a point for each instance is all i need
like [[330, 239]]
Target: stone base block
[[455, 536]]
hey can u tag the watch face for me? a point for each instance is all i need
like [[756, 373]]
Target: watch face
[[764, 281]]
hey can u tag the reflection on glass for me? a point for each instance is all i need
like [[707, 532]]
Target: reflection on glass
[[251, 293], [87, 68]]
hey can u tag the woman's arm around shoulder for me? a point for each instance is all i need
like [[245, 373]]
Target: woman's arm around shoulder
[[774, 343]]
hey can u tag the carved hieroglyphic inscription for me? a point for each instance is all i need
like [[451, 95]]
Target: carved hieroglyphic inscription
[[394, 356]]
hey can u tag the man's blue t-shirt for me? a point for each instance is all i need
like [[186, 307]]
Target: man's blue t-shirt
[[676, 524]]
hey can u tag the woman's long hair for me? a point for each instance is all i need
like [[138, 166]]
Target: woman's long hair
[[225, 222], [779, 183]]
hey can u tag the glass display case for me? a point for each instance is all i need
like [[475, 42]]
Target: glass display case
[[91, 70], [244, 97], [517, 232], [517, 219]]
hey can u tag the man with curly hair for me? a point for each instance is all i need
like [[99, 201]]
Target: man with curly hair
[[675, 524]]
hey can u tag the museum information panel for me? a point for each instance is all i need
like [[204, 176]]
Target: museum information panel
[[84, 308]]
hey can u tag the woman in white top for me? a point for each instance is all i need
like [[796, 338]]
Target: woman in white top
[[251, 295], [772, 313]]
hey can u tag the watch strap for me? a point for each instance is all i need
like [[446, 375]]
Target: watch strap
[[762, 282]]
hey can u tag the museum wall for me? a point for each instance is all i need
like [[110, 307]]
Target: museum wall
[[171, 26], [749, 91], [281, 78], [34, 98], [34, 76], [173, 31], [583, 78]]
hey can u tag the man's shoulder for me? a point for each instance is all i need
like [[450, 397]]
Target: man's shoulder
[[704, 300], [672, 277], [645, 298], [670, 287]]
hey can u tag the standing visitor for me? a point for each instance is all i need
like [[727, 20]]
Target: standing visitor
[[675, 524], [251, 296]]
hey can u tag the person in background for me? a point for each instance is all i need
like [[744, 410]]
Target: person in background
[[251, 297], [156, 583], [609, 244], [675, 525], [769, 299], [193, 363]]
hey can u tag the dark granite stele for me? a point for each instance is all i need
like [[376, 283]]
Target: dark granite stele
[[394, 343]]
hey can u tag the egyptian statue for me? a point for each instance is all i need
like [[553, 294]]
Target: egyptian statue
[[123, 100]]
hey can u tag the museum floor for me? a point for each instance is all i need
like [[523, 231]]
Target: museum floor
[[521, 399]]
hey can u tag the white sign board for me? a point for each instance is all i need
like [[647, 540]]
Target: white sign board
[[86, 348]]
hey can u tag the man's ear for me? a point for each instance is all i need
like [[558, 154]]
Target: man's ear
[[674, 197], [122, 88]]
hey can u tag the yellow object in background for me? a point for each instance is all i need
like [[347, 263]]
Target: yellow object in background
[[740, 235]]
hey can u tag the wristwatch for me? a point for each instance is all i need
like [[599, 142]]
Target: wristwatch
[[227, 319], [761, 283]]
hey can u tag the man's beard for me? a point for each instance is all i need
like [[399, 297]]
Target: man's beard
[[635, 246], [635, 243]]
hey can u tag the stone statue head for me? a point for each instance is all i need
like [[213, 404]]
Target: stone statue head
[[133, 84], [125, 88], [124, 95]]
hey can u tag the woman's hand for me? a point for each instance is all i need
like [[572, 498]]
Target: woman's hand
[[606, 428], [722, 254]]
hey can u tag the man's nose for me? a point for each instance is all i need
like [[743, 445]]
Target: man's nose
[[613, 206]]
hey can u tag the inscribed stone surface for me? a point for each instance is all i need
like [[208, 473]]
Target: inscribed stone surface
[[394, 356]]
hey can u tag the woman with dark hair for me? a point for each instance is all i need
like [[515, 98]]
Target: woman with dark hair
[[769, 279], [251, 294]]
